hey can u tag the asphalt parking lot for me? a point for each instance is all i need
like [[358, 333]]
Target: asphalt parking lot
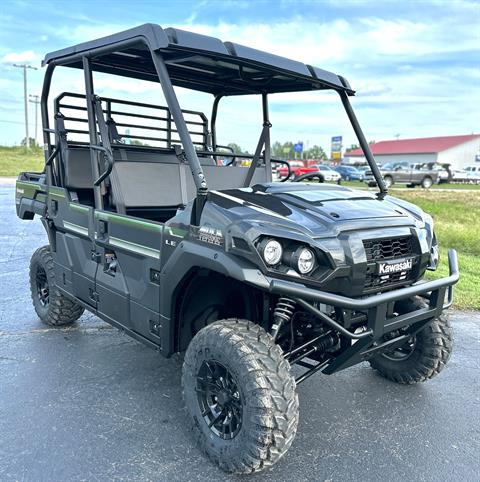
[[88, 403]]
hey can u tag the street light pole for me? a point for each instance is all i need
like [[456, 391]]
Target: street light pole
[[35, 99], [25, 67]]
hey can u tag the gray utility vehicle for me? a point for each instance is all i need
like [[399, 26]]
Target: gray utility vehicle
[[189, 254], [403, 172]]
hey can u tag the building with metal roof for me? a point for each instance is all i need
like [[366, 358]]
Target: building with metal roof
[[458, 151]]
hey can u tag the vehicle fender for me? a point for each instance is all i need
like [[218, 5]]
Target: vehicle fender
[[190, 255], [50, 230]]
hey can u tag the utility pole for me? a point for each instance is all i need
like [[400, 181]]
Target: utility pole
[[35, 99], [25, 67]]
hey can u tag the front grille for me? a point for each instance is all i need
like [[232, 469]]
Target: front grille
[[378, 250], [373, 280], [389, 248]]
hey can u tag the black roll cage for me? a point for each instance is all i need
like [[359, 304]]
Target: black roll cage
[[149, 37]]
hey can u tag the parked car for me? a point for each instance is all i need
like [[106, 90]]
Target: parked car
[[462, 176], [297, 169], [329, 174], [473, 169], [473, 177], [404, 173], [350, 173]]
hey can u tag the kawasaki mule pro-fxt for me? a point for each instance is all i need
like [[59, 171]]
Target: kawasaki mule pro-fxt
[[159, 232]]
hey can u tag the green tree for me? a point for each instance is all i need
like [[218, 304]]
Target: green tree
[[352, 147], [277, 149], [316, 152], [236, 148], [136, 142], [31, 142]]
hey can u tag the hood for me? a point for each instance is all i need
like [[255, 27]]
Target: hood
[[313, 207]]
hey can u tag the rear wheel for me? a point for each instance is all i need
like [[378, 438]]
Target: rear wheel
[[51, 306], [240, 395], [423, 356]]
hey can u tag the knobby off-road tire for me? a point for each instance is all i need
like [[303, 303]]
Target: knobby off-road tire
[[52, 307], [429, 351], [263, 388]]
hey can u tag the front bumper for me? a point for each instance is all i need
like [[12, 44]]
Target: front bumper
[[378, 310]]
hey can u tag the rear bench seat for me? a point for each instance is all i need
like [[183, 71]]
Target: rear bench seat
[[142, 180]]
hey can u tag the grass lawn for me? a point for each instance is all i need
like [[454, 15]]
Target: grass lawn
[[457, 225], [396, 187], [13, 160]]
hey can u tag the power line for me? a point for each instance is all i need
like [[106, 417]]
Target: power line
[[25, 67], [13, 122], [35, 99]]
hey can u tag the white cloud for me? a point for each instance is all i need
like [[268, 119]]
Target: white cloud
[[403, 71], [26, 56]]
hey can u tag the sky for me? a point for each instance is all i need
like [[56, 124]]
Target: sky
[[415, 65]]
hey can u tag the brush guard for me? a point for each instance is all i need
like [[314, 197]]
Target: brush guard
[[379, 319]]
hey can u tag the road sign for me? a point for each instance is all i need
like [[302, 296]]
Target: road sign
[[336, 148], [298, 147], [337, 144]]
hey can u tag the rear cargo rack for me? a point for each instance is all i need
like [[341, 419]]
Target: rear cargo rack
[[145, 122]]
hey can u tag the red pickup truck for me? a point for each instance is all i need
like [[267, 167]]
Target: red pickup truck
[[297, 167]]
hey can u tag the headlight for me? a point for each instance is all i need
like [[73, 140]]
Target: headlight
[[271, 251], [305, 260]]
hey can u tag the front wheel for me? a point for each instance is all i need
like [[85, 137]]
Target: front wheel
[[240, 394], [423, 356]]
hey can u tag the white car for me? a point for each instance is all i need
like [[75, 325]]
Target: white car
[[464, 176], [328, 173], [473, 169]]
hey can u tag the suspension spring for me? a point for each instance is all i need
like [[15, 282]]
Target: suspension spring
[[282, 314]]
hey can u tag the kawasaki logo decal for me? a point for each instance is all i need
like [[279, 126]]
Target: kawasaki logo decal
[[394, 267]]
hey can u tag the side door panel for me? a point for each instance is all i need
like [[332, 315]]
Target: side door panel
[[402, 174], [127, 279], [75, 268]]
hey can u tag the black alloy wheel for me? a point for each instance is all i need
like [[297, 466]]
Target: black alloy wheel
[[219, 399], [402, 352], [43, 291]]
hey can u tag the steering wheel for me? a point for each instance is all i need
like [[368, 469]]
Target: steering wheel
[[281, 161], [309, 175], [228, 148]]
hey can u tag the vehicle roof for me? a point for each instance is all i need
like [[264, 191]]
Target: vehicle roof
[[197, 62]]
